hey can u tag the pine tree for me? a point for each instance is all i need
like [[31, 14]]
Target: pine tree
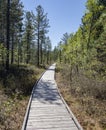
[[41, 25], [16, 30], [29, 35]]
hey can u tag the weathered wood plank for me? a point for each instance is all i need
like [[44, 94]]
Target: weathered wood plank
[[72, 128], [47, 110]]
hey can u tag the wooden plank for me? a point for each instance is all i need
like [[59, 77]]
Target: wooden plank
[[50, 119], [53, 128], [47, 110], [41, 126], [46, 124], [72, 128]]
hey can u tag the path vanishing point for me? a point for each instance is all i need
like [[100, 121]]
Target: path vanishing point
[[47, 109]]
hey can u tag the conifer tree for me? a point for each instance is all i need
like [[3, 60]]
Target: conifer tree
[[41, 25], [29, 35]]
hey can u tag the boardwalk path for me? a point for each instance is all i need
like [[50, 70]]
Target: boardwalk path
[[48, 111]]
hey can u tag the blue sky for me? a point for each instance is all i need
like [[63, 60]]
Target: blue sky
[[64, 15]]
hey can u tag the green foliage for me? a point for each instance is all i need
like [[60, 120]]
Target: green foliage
[[83, 65], [86, 49], [25, 31]]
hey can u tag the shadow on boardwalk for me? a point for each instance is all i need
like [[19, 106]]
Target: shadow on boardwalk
[[46, 92], [48, 111]]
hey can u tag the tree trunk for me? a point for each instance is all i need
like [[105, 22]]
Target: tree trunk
[[8, 34], [38, 49], [70, 74], [41, 53], [47, 57], [12, 49], [18, 53], [28, 48]]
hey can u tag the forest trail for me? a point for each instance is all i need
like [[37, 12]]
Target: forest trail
[[47, 109]]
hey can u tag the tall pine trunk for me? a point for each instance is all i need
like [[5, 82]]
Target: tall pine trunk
[[38, 49], [8, 34], [18, 53], [41, 52], [27, 59]]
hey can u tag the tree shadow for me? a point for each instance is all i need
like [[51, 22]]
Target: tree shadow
[[50, 69], [46, 92]]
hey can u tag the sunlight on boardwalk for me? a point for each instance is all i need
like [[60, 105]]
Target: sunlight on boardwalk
[[48, 111]]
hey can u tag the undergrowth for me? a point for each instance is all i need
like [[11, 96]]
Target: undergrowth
[[15, 90], [85, 95]]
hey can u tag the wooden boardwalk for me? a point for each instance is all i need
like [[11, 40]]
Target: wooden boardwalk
[[47, 109]]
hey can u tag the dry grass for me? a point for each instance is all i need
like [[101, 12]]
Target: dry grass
[[86, 102], [12, 113]]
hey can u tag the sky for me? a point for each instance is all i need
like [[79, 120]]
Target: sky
[[64, 15]]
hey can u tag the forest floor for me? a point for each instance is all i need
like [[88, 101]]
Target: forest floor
[[15, 90], [90, 112]]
